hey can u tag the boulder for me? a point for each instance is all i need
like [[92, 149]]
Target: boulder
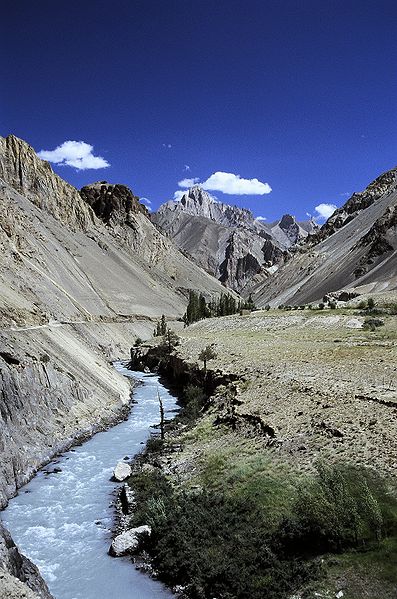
[[128, 541], [122, 471]]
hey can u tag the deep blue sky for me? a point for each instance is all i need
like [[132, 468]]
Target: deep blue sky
[[299, 94]]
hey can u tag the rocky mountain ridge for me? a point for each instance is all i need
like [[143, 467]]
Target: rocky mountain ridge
[[355, 250], [228, 241]]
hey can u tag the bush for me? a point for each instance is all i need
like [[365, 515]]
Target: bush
[[371, 303], [332, 305], [321, 306], [154, 444], [193, 400], [362, 305], [371, 324], [392, 309], [339, 509]]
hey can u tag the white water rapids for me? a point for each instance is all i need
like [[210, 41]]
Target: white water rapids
[[63, 521]]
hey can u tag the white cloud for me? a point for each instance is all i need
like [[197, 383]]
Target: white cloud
[[229, 183], [178, 195], [324, 211], [186, 167], [77, 154], [188, 182], [147, 202], [232, 184], [167, 145], [260, 218]]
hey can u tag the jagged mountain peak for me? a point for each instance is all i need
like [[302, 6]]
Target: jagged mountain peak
[[196, 201], [286, 221]]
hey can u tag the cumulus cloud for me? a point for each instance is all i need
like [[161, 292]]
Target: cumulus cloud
[[261, 218], [186, 167], [232, 184], [147, 202], [186, 183], [324, 211], [77, 154], [229, 183]]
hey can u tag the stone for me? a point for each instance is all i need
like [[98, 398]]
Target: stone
[[128, 541], [122, 471]]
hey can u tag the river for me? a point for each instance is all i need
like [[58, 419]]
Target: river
[[63, 521]]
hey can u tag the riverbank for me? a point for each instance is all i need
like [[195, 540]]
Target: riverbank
[[288, 426], [63, 520], [57, 389]]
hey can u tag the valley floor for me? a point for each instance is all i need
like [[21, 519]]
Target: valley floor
[[325, 387], [312, 387]]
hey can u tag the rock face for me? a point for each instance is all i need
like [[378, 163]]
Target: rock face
[[226, 240], [112, 203], [18, 576], [128, 541], [354, 251], [122, 471]]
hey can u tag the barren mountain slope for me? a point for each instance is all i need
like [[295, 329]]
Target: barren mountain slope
[[355, 249], [226, 240]]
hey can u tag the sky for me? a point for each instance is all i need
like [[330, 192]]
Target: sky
[[277, 106]]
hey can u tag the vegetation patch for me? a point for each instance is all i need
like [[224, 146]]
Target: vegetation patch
[[235, 541]]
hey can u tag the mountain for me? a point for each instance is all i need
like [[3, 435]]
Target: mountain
[[82, 274], [226, 240], [354, 250]]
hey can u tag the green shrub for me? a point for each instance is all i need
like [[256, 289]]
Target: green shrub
[[154, 444], [338, 509], [371, 324], [392, 309], [321, 306], [371, 303]]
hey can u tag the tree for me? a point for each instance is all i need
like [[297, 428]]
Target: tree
[[171, 339], [161, 408], [161, 327], [206, 354]]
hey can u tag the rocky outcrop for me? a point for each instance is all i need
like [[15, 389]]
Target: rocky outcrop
[[227, 240], [114, 204], [18, 576], [33, 178]]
